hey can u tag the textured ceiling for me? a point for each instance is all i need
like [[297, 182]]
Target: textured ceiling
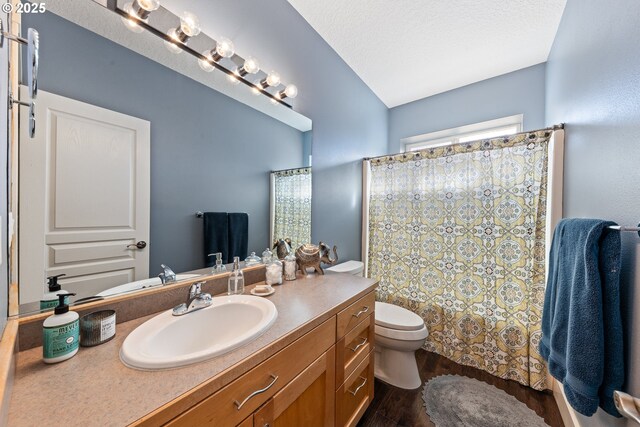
[[406, 50]]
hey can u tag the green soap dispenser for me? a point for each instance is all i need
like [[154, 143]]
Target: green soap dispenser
[[61, 333], [50, 298]]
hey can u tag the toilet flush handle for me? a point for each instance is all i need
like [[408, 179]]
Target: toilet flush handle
[[361, 312]]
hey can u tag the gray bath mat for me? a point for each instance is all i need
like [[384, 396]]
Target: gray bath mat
[[455, 401]]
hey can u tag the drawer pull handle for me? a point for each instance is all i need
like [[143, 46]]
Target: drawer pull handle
[[364, 381], [361, 312], [357, 347], [262, 390]]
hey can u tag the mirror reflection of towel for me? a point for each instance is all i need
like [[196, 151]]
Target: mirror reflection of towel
[[238, 235], [216, 237]]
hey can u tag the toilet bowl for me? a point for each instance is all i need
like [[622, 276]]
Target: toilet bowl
[[399, 333]]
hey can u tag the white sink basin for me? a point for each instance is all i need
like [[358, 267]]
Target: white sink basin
[[168, 341], [141, 284]]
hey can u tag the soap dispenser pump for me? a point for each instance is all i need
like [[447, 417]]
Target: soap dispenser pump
[[235, 286], [220, 267], [50, 298], [61, 333]]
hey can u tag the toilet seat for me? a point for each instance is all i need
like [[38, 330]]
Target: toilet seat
[[399, 323], [391, 316], [400, 335]]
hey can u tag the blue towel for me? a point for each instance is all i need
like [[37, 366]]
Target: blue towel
[[216, 236], [238, 235], [581, 322]]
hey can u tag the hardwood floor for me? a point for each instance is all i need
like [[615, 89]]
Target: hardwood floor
[[394, 407]]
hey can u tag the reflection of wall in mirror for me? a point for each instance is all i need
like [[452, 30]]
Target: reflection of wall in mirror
[[208, 152]]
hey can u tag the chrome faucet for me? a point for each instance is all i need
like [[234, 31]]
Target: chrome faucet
[[167, 275], [197, 300]]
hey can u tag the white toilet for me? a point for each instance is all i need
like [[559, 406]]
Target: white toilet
[[399, 333], [350, 267]]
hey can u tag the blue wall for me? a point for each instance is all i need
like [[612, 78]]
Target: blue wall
[[593, 85], [349, 121], [208, 152], [519, 92]]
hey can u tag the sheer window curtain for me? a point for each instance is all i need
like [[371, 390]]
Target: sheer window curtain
[[291, 206], [460, 236]]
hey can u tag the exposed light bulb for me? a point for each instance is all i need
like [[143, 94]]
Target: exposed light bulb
[[273, 79], [291, 91], [189, 24], [129, 22], [225, 48], [251, 65], [205, 64], [273, 101], [149, 5], [173, 45]]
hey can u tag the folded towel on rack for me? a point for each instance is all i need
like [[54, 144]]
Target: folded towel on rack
[[216, 236], [238, 235], [581, 322]]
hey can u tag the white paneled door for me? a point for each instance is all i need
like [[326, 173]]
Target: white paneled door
[[84, 198]]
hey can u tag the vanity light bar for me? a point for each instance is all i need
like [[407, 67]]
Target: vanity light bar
[[177, 38]]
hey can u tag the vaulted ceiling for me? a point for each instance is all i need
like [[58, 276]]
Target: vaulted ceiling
[[406, 50]]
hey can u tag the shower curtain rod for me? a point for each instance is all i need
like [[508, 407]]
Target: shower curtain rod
[[554, 127], [292, 169]]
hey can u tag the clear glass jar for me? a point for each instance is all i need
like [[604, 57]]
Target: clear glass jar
[[267, 256], [252, 259], [273, 273], [290, 266]]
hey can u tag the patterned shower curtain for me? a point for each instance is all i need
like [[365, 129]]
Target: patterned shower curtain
[[292, 206], [457, 235]]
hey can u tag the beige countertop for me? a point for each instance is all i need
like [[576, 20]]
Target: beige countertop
[[95, 388]]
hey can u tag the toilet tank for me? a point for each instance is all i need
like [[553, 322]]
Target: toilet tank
[[355, 268]]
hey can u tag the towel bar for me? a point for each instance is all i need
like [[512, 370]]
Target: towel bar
[[625, 228], [200, 214], [627, 405]]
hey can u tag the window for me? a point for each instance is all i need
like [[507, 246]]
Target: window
[[489, 129]]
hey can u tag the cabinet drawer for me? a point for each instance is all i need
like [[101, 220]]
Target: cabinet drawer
[[354, 347], [355, 395], [240, 398], [352, 315]]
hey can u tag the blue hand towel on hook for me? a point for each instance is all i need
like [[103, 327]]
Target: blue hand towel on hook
[[238, 235], [216, 236], [582, 339]]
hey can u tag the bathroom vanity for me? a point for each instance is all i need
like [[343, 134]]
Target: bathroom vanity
[[312, 367]]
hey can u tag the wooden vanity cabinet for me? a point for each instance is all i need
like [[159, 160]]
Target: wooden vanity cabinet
[[323, 379], [307, 401]]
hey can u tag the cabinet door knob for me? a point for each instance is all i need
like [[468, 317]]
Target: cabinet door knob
[[364, 381], [239, 405], [357, 347], [361, 312]]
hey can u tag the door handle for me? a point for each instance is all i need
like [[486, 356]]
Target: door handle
[[139, 245]]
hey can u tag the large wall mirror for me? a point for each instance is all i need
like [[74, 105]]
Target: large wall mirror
[[137, 165]]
